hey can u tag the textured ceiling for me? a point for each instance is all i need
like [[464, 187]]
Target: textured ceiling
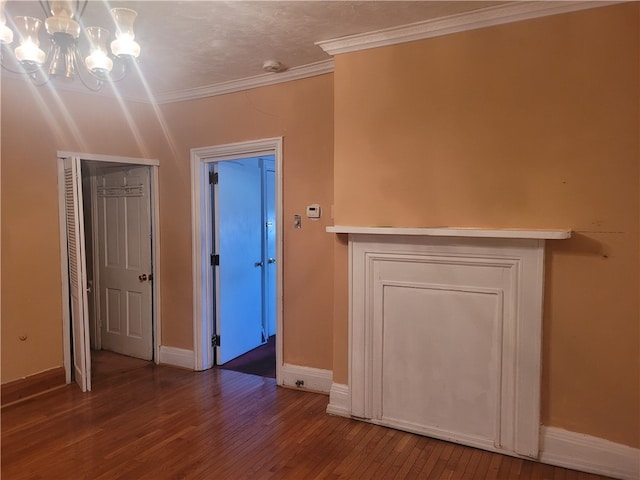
[[195, 44]]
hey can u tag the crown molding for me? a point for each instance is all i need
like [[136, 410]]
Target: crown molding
[[295, 73], [486, 17]]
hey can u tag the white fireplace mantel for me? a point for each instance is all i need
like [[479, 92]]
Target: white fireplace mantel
[[454, 232], [445, 332]]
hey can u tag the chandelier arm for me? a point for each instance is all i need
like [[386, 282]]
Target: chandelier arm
[[124, 72], [24, 71], [4, 65], [33, 75], [38, 83], [46, 7], [84, 6], [18, 72], [80, 67]]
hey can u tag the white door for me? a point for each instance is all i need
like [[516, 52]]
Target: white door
[[238, 242], [124, 260], [77, 273]]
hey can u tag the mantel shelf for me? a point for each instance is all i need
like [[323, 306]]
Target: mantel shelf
[[454, 232]]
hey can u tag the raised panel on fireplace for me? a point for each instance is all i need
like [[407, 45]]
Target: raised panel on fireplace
[[440, 360]]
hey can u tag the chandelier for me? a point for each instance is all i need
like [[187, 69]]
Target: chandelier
[[63, 58]]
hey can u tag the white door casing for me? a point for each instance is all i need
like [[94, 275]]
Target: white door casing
[[124, 267], [203, 302], [270, 258], [77, 273]]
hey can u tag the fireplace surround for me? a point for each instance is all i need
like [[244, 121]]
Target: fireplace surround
[[445, 329]]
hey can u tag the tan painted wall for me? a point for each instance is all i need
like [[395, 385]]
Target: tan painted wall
[[533, 125], [301, 112]]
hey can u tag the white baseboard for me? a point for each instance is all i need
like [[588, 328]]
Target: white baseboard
[[557, 446], [339, 400], [588, 454], [177, 357], [314, 379]]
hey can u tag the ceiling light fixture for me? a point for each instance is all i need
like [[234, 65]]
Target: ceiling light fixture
[[64, 57]]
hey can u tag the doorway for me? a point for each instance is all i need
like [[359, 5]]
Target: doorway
[[206, 161], [109, 259], [117, 214], [244, 226]]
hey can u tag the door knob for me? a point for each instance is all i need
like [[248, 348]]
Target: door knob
[[142, 277], [272, 260], [259, 264]]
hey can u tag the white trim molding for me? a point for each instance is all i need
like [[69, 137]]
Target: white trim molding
[[469, 232], [315, 379], [263, 80], [177, 357], [588, 454], [481, 18], [96, 157], [339, 400]]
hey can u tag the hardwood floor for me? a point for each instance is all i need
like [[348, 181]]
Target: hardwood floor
[[156, 422]]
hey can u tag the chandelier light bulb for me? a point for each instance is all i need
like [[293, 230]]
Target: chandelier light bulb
[[28, 51], [98, 60], [6, 34], [124, 44]]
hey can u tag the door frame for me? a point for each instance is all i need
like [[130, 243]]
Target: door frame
[[202, 239], [64, 260]]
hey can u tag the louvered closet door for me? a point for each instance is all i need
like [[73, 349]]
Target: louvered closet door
[[77, 273]]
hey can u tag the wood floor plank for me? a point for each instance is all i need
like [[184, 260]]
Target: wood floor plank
[[457, 463], [145, 421], [410, 461], [472, 466]]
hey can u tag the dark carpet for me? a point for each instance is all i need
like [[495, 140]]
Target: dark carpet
[[259, 361]]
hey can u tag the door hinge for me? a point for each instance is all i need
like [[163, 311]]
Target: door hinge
[[215, 341], [215, 260], [213, 178]]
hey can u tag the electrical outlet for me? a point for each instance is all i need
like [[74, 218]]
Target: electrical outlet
[[299, 383]]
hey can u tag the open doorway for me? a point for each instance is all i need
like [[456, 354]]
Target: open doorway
[[244, 266], [205, 162], [117, 225], [109, 261]]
